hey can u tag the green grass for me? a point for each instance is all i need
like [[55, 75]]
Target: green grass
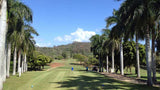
[[62, 78]]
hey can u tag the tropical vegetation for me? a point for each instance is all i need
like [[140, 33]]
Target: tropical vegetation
[[135, 19]]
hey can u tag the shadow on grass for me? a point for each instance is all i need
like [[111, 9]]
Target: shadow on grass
[[99, 82], [145, 77]]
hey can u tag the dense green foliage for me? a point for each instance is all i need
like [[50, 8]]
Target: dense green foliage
[[129, 48], [66, 51], [38, 61]]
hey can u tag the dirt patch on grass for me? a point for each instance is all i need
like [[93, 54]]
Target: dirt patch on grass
[[54, 65]]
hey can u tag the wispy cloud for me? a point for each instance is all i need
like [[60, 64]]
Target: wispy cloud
[[79, 35], [44, 44]]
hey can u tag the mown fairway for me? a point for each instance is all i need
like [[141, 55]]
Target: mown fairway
[[62, 78]]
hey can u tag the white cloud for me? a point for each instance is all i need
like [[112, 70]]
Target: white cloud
[[79, 35], [67, 38], [58, 39], [44, 44]]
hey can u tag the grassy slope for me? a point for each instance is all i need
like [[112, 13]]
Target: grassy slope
[[63, 78]]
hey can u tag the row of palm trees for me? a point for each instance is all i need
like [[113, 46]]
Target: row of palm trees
[[135, 19], [16, 37]]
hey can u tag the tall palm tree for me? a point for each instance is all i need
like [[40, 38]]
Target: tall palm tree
[[146, 10], [155, 33], [95, 48], [134, 30], [3, 31], [115, 19], [28, 43], [106, 32], [18, 14]]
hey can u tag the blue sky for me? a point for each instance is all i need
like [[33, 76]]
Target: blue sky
[[64, 21]]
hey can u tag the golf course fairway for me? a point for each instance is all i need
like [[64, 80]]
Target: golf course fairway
[[63, 78]]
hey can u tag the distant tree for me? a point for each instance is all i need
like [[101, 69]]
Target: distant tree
[[92, 61], [129, 53], [39, 60], [80, 57], [64, 54], [59, 57]]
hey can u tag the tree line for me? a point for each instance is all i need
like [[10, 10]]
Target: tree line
[[16, 38], [66, 51], [135, 19]]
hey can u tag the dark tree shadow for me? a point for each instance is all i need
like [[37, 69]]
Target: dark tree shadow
[[99, 82]]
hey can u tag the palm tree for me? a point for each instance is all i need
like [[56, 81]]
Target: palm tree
[[155, 33], [134, 29], [115, 19], [28, 43], [106, 33], [3, 31], [18, 14], [113, 43], [146, 10], [8, 60], [95, 48]]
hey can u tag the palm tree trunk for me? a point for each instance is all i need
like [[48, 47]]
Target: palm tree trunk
[[4, 65], [3, 31], [22, 65], [25, 63], [8, 59], [148, 58], [99, 63], [102, 64], [26, 69], [107, 63], [14, 61], [153, 57], [112, 60], [19, 62], [121, 57], [137, 57], [26, 66]]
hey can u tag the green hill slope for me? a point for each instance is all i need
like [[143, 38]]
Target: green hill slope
[[68, 50]]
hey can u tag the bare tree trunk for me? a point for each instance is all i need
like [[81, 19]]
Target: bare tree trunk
[[102, 64], [25, 64], [14, 61], [121, 57], [4, 64], [153, 57], [99, 63], [8, 59], [22, 65], [19, 62], [137, 57], [107, 63], [3, 31], [148, 58], [112, 60]]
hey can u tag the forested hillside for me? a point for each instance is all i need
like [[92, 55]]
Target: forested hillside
[[66, 51]]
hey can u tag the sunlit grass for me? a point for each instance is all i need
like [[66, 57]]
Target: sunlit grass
[[63, 78]]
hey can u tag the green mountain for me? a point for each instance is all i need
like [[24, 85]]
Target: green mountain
[[66, 50]]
